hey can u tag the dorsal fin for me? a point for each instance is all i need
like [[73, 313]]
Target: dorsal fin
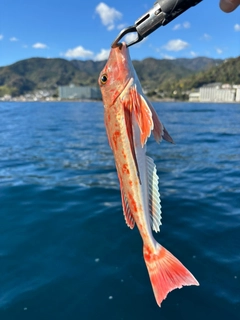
[[127, 212], [154, 196]]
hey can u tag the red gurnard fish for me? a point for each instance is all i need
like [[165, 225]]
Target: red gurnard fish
[[129, 120]]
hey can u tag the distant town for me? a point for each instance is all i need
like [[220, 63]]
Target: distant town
[[213, 92], [216, 92], [64, 93], [199, 79]]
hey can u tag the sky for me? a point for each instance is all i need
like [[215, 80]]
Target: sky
[[77, 29]]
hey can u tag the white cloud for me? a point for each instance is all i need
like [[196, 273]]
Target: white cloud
[[102, 55], [121, 26], [78, 52], [177, 26], [219, 51], [110, 27], [176, 45], [193, 54], [237, 27], [13, 39], [130, 37], [39, 45], [108, 15], [206, 37], [1, 36], [185, 25], [167, 57]]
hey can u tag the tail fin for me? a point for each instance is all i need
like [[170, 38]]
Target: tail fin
[[166, 272]]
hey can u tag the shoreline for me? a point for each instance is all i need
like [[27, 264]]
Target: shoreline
[[80, 101]]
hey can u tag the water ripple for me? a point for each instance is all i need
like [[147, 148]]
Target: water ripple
[[63, 239]]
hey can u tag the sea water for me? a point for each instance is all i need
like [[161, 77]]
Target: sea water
[[65, 250]]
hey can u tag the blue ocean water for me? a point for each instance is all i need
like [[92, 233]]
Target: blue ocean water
[[65, 251]]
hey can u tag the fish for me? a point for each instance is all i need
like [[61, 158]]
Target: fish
[[130, 119]]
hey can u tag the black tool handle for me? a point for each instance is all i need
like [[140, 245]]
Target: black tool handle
[[163, 12], [173, 8]]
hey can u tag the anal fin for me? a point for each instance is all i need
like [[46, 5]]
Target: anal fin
[[153, 195]]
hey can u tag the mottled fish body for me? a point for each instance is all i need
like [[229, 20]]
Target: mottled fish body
[[129, 119]]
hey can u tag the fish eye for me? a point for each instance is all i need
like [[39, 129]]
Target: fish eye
[[104, 78]]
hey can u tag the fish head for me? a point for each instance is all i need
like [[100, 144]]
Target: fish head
[[116, 74]]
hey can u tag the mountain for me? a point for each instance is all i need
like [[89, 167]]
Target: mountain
[[38, 73], [226, 72], [161, 75], [152, 72], [92, 68], [197, 64]]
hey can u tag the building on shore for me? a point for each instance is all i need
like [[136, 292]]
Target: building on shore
[[194, 96], [237, 87], [75, 92], [216, 92]]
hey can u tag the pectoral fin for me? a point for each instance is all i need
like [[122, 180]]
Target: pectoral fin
[[147, 119], [143, 114], [127, 212], [159, 131], [128, 123]]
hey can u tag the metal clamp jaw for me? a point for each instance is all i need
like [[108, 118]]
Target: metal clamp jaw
[[163, 12]]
